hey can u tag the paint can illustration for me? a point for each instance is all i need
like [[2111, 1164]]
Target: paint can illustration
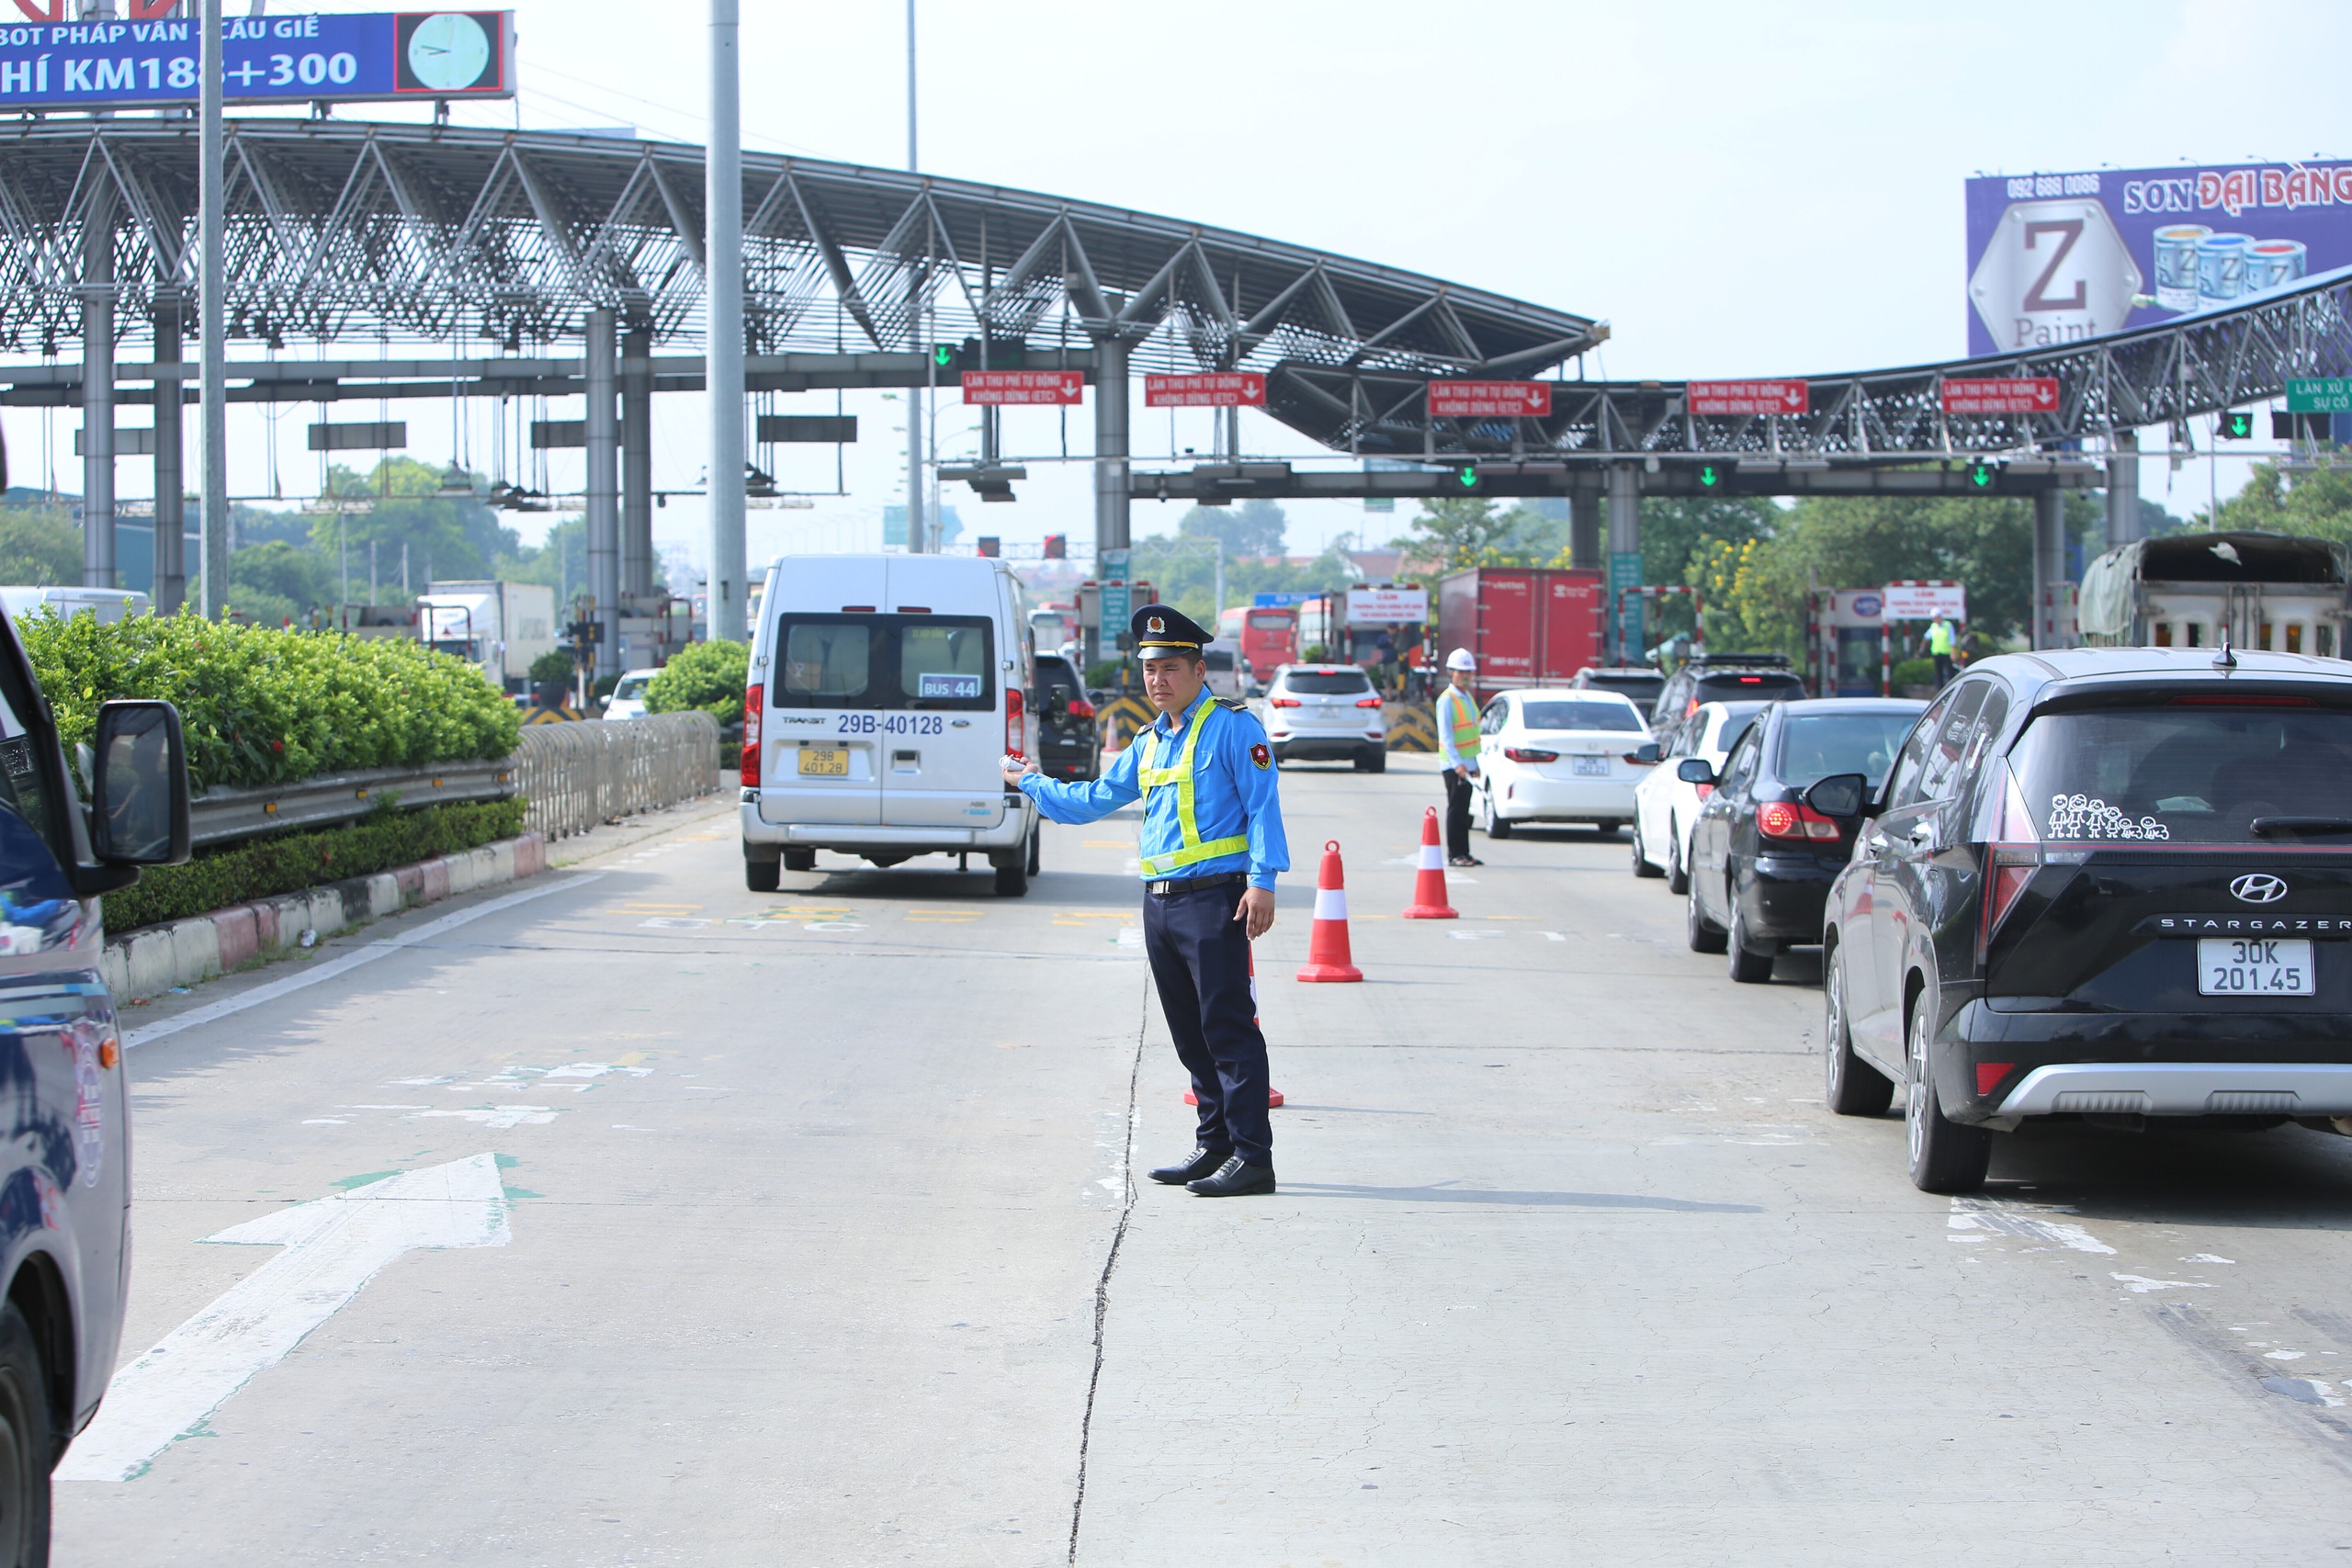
[[2176, 264], [2221, 267], [2270, 262]]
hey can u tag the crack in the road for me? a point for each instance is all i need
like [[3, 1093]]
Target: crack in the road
[[1103, 1282]]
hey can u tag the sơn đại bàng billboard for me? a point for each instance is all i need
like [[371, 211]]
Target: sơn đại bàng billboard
[[2056, 258]]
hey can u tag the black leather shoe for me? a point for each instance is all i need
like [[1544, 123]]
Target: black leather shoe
[[1200, 1162], [1237, 1178]]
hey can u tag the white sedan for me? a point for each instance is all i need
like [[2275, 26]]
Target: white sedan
[[1665, 806], [1558, 756]]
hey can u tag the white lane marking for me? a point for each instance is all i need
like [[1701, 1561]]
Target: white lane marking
[[1129, 936], [2007, 1219], [1473, 936], [2267, 1355], [494, 1115], [672, 923], [229, 1005], [2140, 1285], [2206, 1258], [1550, 936], [333, 1246]]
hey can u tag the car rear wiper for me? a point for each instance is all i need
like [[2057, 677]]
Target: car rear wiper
[[2299, 827]]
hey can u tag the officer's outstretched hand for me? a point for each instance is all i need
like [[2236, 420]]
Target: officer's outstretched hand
[[1016, 768], [1258, 909]]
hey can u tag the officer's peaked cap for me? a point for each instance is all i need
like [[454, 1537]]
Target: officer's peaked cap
[[1163, 628]]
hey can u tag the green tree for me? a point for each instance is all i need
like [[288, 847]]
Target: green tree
[[705, 675], [1677, 532], [561, 562], [1459, 531], [2315, 503], [1255, 527], [274, 583], [448, 537], [40, 545]]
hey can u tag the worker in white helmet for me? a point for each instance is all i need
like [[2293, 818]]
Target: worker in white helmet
[[1457, 743]]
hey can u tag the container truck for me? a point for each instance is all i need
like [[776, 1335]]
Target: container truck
[[1526, 625], [498, 627]]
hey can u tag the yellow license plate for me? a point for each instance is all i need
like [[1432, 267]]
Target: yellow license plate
[[829, 761]]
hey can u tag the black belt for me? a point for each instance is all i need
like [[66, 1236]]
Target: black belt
[[1163, 889]]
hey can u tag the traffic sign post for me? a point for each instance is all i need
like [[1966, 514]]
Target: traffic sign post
[[1489, 399], [1748, 397], [1111, 570], [2001, 394], [1222, 390], [998, 388], [2321, 394]]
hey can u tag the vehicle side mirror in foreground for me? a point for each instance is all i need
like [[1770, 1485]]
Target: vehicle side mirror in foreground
[[1840, 794], [1648, 751], [1696, 770], [139, 785]]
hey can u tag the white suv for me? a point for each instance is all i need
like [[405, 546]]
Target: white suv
[[1327, 713]]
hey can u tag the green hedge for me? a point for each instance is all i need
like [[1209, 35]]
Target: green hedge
[[262, 705], [235, 873], [705, 675]]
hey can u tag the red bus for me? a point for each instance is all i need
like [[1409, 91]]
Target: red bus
[[1263, 636]]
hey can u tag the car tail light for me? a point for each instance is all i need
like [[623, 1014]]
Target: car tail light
[[1690, 707], [1079, 708], [1367, 702], [1704, 790], [1751, 679], [1990, 1073], [1016, 723], [1528, 754], [1282, 701], [751, 738], [1792, 819], [2010, 859], [2249, 700]]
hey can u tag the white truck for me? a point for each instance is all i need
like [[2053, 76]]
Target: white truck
[[2270, 592], [498, 627]]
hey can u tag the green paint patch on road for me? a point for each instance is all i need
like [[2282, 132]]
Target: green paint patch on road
[[348, 1182], [521, 1192]]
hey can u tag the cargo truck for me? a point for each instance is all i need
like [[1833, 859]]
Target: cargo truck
[[2269, 592], [498, 627], [1526, 625]]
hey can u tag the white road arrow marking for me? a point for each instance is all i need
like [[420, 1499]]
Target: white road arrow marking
[[332, 1247]]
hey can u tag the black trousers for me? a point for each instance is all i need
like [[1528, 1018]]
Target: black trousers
[[1200, 960], [1457, 813]]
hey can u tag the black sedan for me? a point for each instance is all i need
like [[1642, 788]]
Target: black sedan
[[2112, 883], [1761, 859]]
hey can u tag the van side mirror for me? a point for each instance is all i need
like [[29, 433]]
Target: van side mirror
[[1648, 751], [1695, 770], [1840, 794], [139, 785]]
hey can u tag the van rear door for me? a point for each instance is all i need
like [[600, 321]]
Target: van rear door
[[942, 721], [828, 658]]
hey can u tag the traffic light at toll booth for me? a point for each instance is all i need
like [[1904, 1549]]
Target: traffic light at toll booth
[[1710, 476], [990, 546], [1057, 546], [1980, 476], [2236, 424], [1465, 477]]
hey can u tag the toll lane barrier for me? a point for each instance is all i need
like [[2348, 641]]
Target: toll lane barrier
[[578, 776], [1411, 727], [149, 962]]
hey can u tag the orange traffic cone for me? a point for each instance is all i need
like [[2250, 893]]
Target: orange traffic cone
[[1327, 940], [1428, 883], [1273, 1096]]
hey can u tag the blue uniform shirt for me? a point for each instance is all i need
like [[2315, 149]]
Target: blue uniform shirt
[[1233, 794]]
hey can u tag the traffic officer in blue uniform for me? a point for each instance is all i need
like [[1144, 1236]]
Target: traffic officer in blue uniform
[[1211, 845]]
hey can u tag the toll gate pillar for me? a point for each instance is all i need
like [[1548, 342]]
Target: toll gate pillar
[[1110, 449], [2049, 566], [170, 589], [603, 489], [2123, 488], [636, 462], [1584, 528], [98, 391], [1626, 561]]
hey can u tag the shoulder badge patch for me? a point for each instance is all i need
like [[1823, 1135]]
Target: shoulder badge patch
[[1231, 705], [1260, 755]]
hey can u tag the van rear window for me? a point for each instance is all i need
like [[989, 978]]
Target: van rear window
[[931, 662]]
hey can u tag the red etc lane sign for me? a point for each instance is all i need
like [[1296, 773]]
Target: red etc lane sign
[[1749, 397], [1487, 400], [1221, 389], [2002, 394], [1024, 387]]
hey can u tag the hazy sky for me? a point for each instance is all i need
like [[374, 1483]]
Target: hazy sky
[[1738, 188]]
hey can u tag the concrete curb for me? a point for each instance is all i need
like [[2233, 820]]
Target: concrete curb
[[149, 962]]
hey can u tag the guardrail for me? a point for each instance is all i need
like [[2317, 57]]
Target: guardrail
[[224, 815], [578, 775]]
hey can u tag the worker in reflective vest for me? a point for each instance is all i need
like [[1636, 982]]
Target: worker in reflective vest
[[1939, 641], [1212, 846], [1457, 743]]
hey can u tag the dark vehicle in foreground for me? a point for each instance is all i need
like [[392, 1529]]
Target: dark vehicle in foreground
[[1066, 740], [64, 1179], [1761, 859], [1726, 678], [2112, 883], [1639, 681]]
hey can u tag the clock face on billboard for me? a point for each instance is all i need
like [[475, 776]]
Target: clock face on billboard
[[450, 51]]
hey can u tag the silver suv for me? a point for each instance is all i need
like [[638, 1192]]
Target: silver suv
[[1327, 713]]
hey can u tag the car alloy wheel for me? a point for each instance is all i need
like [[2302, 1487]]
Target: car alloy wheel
[[1677, 871], [1946, 1157], [1849, 1086], [1702, 933]]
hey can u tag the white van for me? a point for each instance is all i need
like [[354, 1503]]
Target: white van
[[883, 690], [108, 605]]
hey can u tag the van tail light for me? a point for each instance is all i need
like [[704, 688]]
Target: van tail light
[[1367, 702], [1526, 754], [1016, 723], [1282, 701], [1079, 708], [1794, 819], [751, 738]]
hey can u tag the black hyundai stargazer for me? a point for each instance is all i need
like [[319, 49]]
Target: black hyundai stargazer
[[2099, 882]]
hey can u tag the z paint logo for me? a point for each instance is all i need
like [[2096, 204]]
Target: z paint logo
[[1260, 755], [2257, 887]]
